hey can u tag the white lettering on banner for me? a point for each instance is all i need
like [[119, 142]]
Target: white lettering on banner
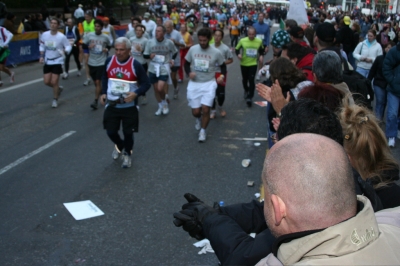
[[114, 71], [25, 50]]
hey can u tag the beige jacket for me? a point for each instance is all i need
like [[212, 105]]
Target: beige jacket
[[357, 241], [344, 89]]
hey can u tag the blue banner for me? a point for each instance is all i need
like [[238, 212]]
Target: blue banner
[[23, 49]]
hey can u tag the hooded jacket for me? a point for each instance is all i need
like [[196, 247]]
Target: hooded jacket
[[359, 240], [391, 70], [371, 52]]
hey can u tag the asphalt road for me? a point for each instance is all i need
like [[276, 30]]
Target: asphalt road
[[74, 163]]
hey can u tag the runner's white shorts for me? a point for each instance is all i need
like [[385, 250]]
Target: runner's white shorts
[[201, 93]]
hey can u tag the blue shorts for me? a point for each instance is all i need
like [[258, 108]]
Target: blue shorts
[[154, 79], [86, 51]]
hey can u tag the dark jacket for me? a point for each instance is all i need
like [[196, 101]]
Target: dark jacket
[[375, 73], [40, 26], [389, 194], [345, 37], [28, 26], [391, 70], [229, 232]]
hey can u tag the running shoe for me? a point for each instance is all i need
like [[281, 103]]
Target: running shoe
[[64, 75], [79, 73], [127, 161], [391, 142], [159, 111], [12, 77], [95, 105], [144, 100], [197, 126], [222, 112], [116, 153], [249, 102], [60, 90], [212, 114], [176, 91], [202, 136], [165, 109], [54, 104], [87, 82]]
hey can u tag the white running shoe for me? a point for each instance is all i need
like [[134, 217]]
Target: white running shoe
[[213, 114], [12, 77], [391, 142], [127, 161], [65, 75], [54, 104], [116, 153], [159, 111], [176, 91], [202, 136], [87, 82], [165, 109], [197, 126]]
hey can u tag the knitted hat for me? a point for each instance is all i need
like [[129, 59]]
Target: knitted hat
[[280, 38]]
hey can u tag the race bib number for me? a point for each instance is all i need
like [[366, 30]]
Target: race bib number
[[119, 87], [98, 49], [251, 53], [260, 36], [234, 27], [50, 45], [159, 59], [205, 20], [201, 65], [71, 41]]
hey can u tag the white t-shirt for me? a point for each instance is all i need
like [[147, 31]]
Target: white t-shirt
[[150, 26], [53, 46]]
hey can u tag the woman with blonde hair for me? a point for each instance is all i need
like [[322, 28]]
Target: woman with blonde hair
[[365, 143]]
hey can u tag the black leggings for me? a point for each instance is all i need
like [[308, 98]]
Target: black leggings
[[126, 144], [219, 96], [75, 53], [234, 40], [248, 75]]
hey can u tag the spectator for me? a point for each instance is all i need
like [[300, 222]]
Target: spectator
[[301, 56], [39, 24], [366, 52], [28, 23], [101, 10], [391, 72], [3, 13], [79, 14], [9, 23], [330, 228], [345, 37]]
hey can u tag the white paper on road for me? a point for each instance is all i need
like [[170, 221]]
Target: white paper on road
[[83, 209]]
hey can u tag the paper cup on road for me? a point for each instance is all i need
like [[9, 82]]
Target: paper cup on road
[[246, 162]]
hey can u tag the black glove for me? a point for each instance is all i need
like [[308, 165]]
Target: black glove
[[193, 214]]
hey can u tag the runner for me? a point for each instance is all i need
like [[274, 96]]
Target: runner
[[123, 80], [52, 46], [251, 48], [132, 33], [204, 61], [5, 38], [74, 38], [149, 24], [183, 50], [177, 39], [138, 46], [88, 26], [99, 45], [220, 93], [233, 27], [109, 30], [263, 33], [159, 50]]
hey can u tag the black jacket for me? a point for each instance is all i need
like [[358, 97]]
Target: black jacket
[[375, 73], [345, 36]]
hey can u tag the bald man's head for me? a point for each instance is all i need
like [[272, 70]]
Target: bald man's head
[[308, 184]]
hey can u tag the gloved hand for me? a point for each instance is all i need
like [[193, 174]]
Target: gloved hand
[[193, 214]]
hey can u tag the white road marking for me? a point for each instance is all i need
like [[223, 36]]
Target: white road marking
[[26, 157], [29, 83]]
